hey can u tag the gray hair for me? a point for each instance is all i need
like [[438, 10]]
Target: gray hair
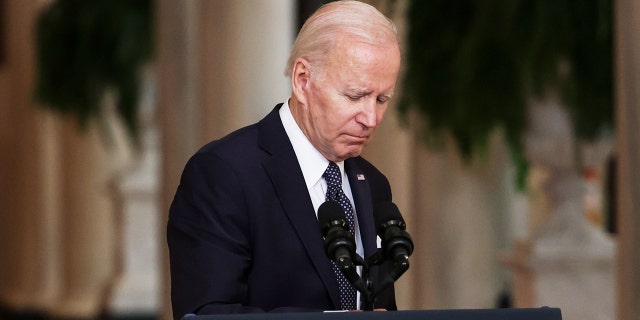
[[336, 19]]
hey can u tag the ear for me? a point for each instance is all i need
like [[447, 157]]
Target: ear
[[301, 79]]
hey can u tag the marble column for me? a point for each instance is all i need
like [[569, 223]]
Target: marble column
[[627, 48], [135, 287], [29, 201], [29, 159], [87, 228]]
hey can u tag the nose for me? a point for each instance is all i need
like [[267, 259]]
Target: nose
[[368, 115]]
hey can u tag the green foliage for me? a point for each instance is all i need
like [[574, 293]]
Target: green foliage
[[86, 47], [472, 65]]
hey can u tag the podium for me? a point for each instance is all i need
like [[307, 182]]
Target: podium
[[544, 313]]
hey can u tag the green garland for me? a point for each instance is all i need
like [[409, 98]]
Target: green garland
[[472, 65], [86, 47]]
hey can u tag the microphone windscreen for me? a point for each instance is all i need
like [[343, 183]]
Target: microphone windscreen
[[330, 211], [386, 211]]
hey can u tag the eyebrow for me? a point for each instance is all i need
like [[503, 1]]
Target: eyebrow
[[388, 95], [362, 93], [357, 92]]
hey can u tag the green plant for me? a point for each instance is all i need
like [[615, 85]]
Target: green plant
[[85, 48], [472, 65]]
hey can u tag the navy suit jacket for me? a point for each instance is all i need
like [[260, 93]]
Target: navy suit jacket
[[242, 232]]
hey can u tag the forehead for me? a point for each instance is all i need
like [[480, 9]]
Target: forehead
[[360, 63], [355, 47]]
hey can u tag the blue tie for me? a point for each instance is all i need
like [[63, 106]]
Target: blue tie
[[333, 177]]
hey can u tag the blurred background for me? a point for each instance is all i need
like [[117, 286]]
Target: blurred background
[[512, 148]]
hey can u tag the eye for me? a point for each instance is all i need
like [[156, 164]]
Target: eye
[[382, 99], [355, 95]]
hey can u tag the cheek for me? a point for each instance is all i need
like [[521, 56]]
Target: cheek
[[331, 113], [341, 117], [332, 123]]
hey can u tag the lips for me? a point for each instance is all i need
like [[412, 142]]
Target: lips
[[357, 139]]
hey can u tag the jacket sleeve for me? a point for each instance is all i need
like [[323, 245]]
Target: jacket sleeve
[[207, 235]]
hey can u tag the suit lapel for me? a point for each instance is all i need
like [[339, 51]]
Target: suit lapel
[[364, 206], [288, 182]]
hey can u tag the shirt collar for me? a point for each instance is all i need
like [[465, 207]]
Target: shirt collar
[[312, 162]]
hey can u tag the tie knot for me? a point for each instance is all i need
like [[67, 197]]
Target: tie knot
[[332, 176]]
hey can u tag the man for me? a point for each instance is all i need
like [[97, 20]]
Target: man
[[243, 233]]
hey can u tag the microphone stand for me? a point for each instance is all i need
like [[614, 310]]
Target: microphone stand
[[363, 284], [367, 298], [368, 289]]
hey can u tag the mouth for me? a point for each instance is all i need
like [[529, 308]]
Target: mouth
[[356, 139]]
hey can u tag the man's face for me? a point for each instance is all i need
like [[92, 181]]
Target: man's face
[[347, 100]]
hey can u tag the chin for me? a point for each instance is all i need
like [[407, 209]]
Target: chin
[[347, 151], [352, 153]]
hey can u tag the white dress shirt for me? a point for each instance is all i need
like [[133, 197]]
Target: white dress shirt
[[313, 165]]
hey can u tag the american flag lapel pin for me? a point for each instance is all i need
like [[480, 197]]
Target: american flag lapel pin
[[360, 176]]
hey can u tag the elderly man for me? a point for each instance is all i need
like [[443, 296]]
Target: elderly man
[[243, 232]]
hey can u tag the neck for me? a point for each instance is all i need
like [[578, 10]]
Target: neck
[[297, 111]]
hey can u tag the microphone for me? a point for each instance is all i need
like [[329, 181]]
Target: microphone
[[397, 244], [339, 243]]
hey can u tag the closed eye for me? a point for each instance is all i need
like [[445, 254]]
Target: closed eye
[[355, 95], [384, 98]]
